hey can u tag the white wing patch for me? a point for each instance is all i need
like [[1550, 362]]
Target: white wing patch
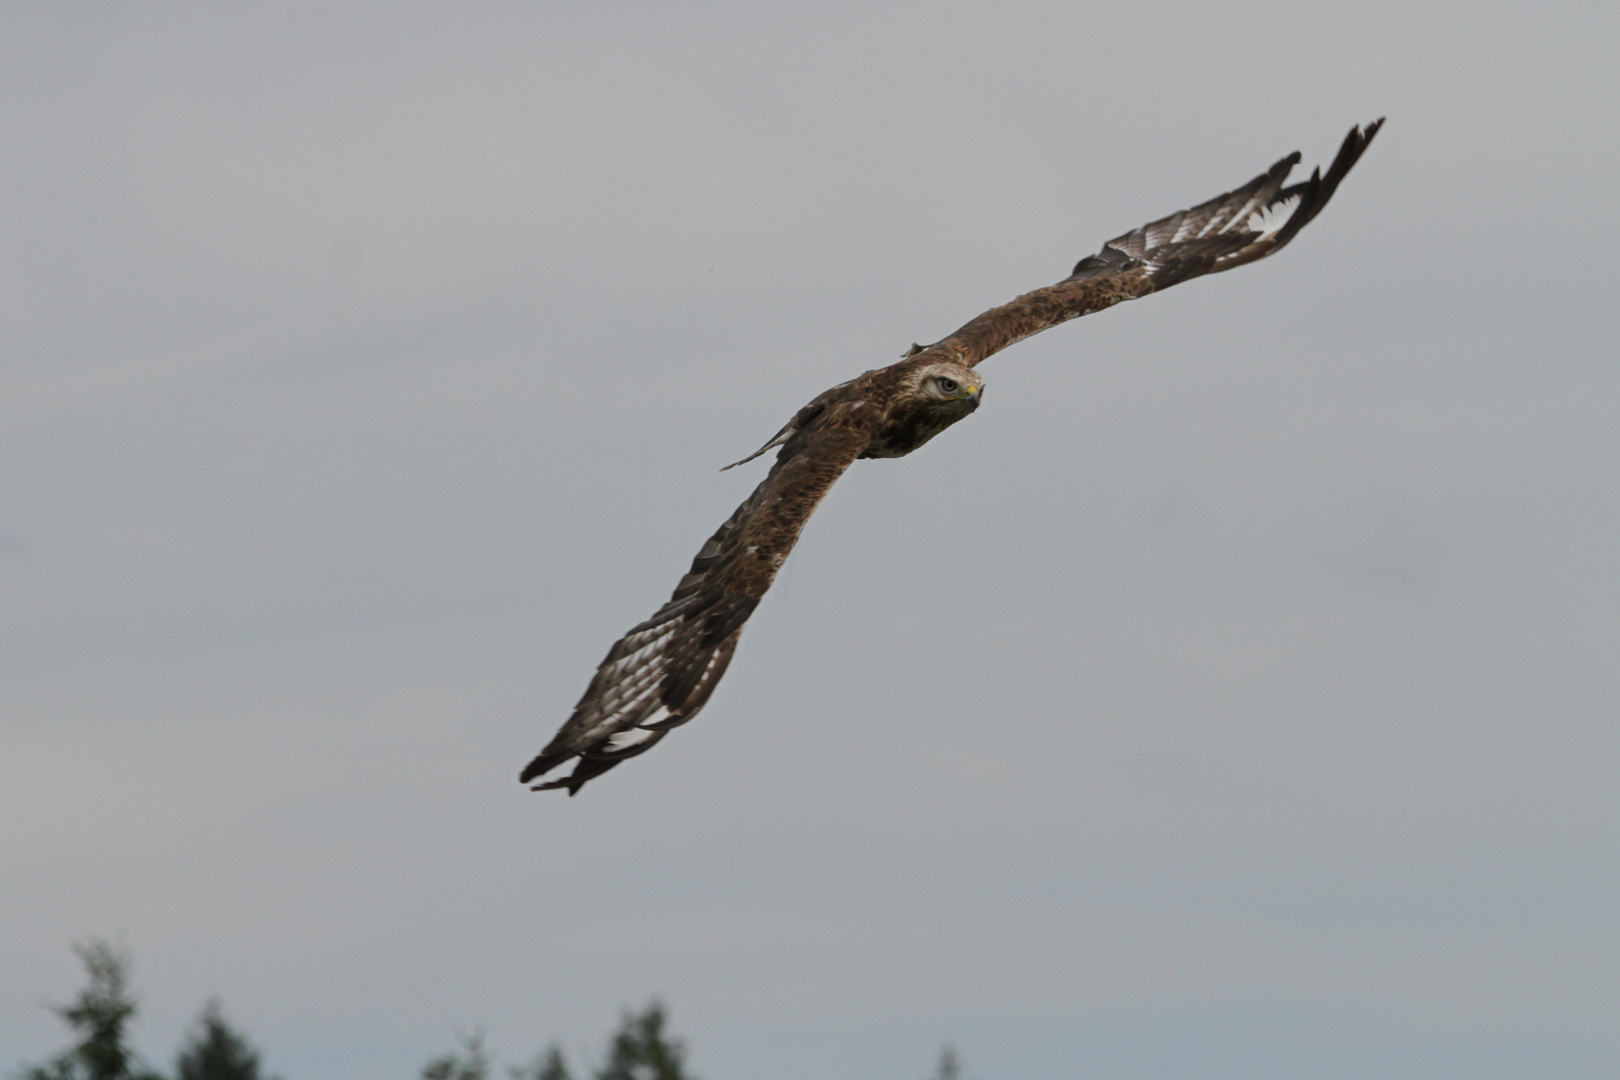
[[658, 715], [624, 740], [1268, 220]]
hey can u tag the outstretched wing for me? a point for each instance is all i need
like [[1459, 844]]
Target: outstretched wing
[[662, 672], [1229, 230]]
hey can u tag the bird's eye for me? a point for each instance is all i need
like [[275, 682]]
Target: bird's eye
[[948, 385]]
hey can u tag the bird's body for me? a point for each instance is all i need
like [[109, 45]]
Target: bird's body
[[662, 672]]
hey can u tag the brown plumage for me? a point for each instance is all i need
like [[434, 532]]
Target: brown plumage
[[662, 672]]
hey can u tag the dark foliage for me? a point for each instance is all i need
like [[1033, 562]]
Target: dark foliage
[[470, 1063], [213, 1051], [99, 1017], [640, 1050], [547, 1065]]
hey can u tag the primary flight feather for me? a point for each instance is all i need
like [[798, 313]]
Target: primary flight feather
[[662, 672]]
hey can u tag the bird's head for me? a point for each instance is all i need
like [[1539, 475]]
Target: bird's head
[[945, 387], [928, 395]]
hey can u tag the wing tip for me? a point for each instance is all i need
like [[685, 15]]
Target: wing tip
[[565, 782], [542, 764], [1315, 192]]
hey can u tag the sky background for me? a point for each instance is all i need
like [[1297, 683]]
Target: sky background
[[1234, 696]]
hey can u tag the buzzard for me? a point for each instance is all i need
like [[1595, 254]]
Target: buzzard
[[662, 672]]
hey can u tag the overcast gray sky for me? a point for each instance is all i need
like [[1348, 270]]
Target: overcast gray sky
[[1234, 696]]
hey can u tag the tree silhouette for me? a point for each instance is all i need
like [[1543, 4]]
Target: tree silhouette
[[99, 1016], [473, 1064], [213, 1051], [547, 1065], [640, 1050]]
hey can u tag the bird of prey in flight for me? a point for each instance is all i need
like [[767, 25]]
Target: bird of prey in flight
[[660, 674]]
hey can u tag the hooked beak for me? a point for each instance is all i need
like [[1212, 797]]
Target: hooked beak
[[973, 397]]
